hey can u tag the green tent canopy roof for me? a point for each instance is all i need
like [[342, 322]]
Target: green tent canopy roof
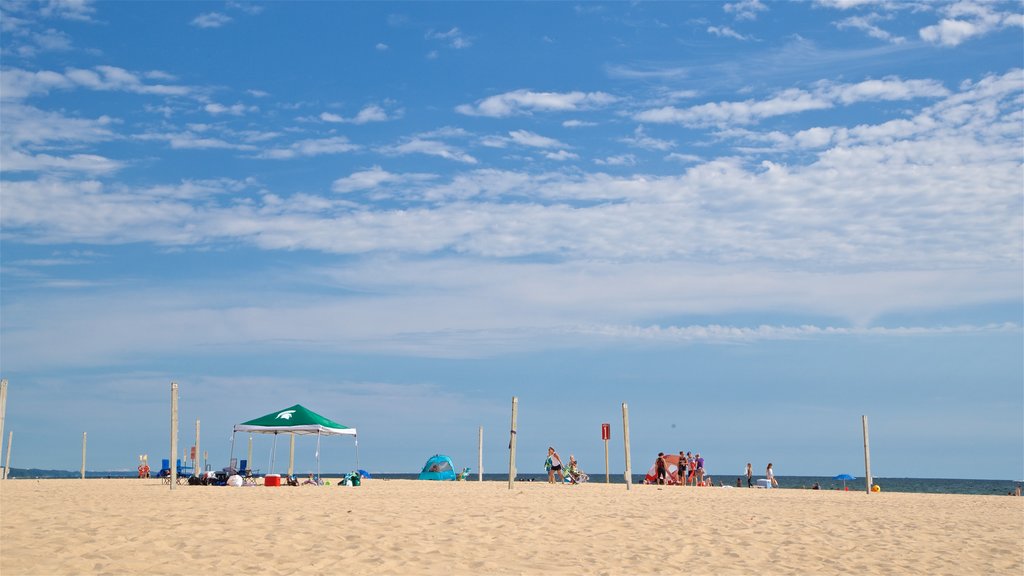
[[294, 420]]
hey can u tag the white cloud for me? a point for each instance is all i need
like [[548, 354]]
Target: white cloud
[[453, 37], [311, 147], [382, 47], [81, 10], [640, 139], [620, 160], [533, 140], [745, 9], [376, 177], [867, 25], [520, 102], [578, 124], [936, 191], [17, 84], [725, 31], [561, 156], [651, 72], [93, 164], [966, 20], [211, 20], [418, 145], [371, 113], [792, 101], [237, 109], [745, 334]]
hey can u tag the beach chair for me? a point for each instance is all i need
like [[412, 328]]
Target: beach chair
[[165, 471], [183, 473], [246, 473]]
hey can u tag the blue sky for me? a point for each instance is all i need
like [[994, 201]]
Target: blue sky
[[752, 221]]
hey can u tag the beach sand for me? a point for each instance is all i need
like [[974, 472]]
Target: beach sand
[[412, 527]]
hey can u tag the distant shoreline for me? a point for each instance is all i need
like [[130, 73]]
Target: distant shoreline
[[975, 486]]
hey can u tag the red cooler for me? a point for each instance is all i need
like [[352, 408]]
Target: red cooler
[[272, 480]]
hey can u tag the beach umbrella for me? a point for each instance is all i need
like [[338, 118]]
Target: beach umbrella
[[844, 478]]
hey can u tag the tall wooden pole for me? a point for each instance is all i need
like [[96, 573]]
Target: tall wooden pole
[[248, 463], [480, 456], [174, 434], [607, 471], [867, 454], [7, 461], [512, 445], [83, 455], [3, 414], [625, 440], [197, 462]]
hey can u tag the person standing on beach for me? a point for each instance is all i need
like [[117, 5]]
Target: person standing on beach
[[661, 468], [770, 474], [554, 464], [691, 463], [681, 471], [700, 470], [750, 475]]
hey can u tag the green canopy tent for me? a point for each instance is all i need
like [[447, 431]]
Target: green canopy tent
[[296, 419]]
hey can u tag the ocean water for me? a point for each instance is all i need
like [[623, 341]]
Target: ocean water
[[919, 485]]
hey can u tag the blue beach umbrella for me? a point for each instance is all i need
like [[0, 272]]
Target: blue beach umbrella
[[844, 478]]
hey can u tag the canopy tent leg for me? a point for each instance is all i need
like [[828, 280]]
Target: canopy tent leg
[[318, 456], [357, 452], [231, 456], [273, 455]]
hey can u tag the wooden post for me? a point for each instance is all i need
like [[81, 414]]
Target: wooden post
[[512, 445], [3, 414], [83, 455], [174, 434], [480, 456], [7, 462], [607, 471], [867, 454], [625, 441], [291, 455], [197, 462]]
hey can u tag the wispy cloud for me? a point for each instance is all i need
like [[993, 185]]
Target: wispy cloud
[[745, 9], [211, 20], [311, 147], [868, 25], [794, 100], [370, 113], [520, 102], [18, 84], [430, 147], [725, 31], [716, 333], [453, 37], [237, 109], [376, 178]]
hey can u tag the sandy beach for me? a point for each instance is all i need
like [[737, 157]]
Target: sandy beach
[[411, 527]]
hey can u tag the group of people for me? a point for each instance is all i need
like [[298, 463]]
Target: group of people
[[566, 474], [769, 474], [689, 469]]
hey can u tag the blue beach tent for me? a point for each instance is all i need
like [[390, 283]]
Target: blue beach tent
[[438, 467]]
